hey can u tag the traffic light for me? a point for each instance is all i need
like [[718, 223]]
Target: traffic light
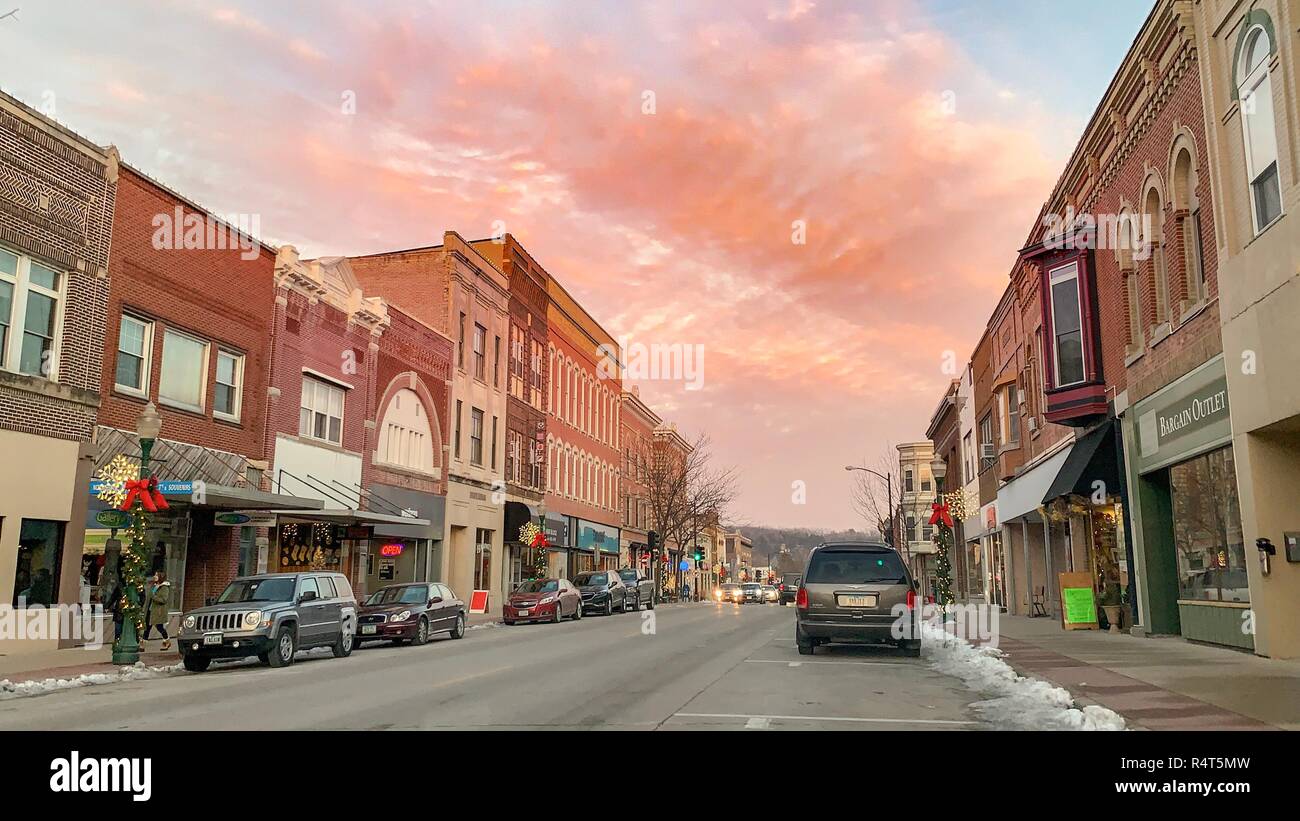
[[652, 540], [699, 555]]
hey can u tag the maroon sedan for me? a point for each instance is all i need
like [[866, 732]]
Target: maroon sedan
[[543, 600], [410, 612]]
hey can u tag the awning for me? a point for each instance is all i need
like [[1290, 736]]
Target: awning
[[342, 516], [1092, 459], [1024, 493], [517, 514], [245, 498]]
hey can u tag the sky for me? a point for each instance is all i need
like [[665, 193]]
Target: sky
[[826, 196]]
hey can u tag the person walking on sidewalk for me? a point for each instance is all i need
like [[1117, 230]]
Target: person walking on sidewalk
[[686, 592], [158, 599]]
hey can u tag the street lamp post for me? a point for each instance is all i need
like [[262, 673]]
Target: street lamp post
[[126, 649], [889, 492], [939, 469]]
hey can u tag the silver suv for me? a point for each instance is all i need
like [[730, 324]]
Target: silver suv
[[857, 592], [271, 616]]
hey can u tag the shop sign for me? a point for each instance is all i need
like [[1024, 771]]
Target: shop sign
[[359, 532], [557, 530], [394, 549], [1187, 418], [170, 487], [114, 519], [232, 518], [594, 536]]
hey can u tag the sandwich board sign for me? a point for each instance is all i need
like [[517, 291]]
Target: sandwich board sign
[[1078, 601]]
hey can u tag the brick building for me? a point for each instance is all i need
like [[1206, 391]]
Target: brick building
[[188, 330], [57, 193], [637, 424]]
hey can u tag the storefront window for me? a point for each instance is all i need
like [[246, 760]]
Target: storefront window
[[482, 559], [1207, 529], [40, 554]]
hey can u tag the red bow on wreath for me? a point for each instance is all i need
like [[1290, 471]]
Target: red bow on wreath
[[940, 514], [146, 490], [539, 540]]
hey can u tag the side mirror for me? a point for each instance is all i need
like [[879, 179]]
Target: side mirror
[[310, 595], [435, 600]]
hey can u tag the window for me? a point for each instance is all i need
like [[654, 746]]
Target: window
[[1067, 322], [480, 354], [320, 411], [925, 485], [405, 438], [40, 559], [1259, 132], [1188, 205], [493, 464], [458, 417], [482, 559], [535, 375], [308, 585], [230, 378], [460, 346], [134, 346], [986, 441], [907, 480], [1153, 210], [184, 370], [1013, 414], [496, 363], [476, 436], [968, 454], [1207, 529], [29, 313]]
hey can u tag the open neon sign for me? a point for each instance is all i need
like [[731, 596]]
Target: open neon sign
[[392, 549]]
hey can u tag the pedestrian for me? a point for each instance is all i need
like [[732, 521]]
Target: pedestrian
[[686, 592], [158, 599], [114, 607]]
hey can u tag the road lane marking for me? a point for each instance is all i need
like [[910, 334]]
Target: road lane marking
[[828, 718], [758, 723], [859, 663]]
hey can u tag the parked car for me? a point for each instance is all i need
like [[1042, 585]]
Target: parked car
[[543, 600], [410, 612], [752, 592], [789, 587], [731, 592], [271, 616], [602, 591], [849, 593], [640, 588], [769, 594]]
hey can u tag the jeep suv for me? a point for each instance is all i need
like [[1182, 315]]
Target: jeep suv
[[271, 616]]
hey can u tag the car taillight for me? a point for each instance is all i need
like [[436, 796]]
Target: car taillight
[[911, 599], [801, 600]]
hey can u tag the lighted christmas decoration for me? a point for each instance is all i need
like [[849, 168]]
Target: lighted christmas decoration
[[943, 535], [114, 477], [533, 536]]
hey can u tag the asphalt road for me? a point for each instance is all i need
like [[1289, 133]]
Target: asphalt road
[[704, 666]]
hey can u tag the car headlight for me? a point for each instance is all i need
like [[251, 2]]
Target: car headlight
[[252, 619], [190, 621], [402, 616], [547, 600]]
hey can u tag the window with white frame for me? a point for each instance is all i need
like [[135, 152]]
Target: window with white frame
[[406, 438], [480, 351], [1067, 325], [30, 294], [134, 349], [228, 393], [184, 370], [476, 436], [1259, 131], [320, 414]]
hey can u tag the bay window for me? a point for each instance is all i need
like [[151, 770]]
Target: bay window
[[1259, 131], [1067, 325]]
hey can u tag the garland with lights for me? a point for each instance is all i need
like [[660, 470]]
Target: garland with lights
[[943, 535], [533, 536], [117, 476]]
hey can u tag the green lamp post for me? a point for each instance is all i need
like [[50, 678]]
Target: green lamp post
[[126, 650]]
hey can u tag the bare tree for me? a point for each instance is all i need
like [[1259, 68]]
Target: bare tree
[[870, 496]]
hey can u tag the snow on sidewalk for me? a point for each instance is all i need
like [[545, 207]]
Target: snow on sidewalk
[[17, 689], [1014, 702]]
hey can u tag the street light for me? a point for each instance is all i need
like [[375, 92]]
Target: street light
[[126, 649], [889, 492], [939, 469]]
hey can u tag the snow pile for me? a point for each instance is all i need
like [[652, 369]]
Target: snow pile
[[136, 672], [1015, 702], [484, 624]]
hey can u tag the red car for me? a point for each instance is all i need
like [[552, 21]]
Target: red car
[[410, 612], [543, 600]]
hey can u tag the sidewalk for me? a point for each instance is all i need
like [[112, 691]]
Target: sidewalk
[[77, 661], [1157, 683]]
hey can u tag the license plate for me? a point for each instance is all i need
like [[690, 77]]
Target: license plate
[[857, 601], [212, 638], [369, 629], [523, 612]]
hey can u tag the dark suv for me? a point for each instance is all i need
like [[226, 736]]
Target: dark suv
[[602, 591], [271, 616], [788, 588], [857, 592], [640, 589]]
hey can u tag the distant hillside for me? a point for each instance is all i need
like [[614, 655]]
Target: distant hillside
[[768, 540]]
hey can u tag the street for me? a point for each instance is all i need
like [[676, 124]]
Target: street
[[706, 666]]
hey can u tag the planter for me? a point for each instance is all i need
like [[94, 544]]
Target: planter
[[1113, 615]]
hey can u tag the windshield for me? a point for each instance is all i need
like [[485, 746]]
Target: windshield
[[406, 594], [258, 590], [854, 567], [751, 586], [731, 587], [538, 586], [627, 575], [589, 579]]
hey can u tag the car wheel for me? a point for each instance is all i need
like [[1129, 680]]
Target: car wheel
[[342, 647], [422, 632], [558, 614], [806, 645], [196, 664], [609, 607], [262, 657], [577, 612], [508, 622], [650, 605], [458, 629], [286, 644], [636, 603]]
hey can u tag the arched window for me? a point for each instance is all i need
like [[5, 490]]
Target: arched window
[[405, 437], [1259, 132], [1153, 218], [1128, 250], [1187, 208]]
